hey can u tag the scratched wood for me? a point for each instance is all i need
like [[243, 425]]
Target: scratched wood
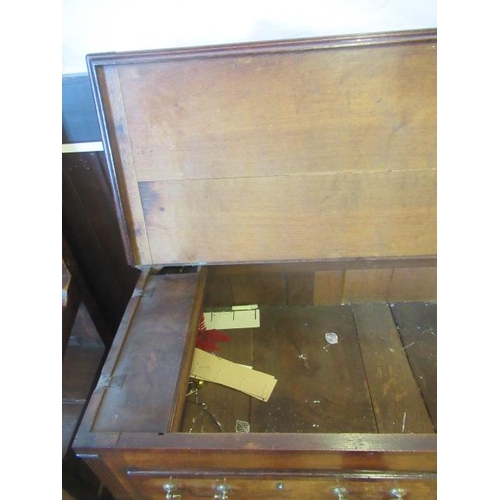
[[321, 387], [417, 324], [395, 395]]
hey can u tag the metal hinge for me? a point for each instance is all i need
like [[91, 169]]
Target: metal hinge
[[106, 382]]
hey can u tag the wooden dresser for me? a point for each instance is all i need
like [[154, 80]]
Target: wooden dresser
[[298, 178]]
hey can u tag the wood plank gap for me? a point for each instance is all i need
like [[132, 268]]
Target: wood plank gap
[[342, 290], [286, 176], [404, 349], [413, 316], [364, 369], [396, 396], [138, 239], [389, 290]]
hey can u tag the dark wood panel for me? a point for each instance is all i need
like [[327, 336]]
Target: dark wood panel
[[413, 284], [71, 414], [300, 289], [259, 288], [91, 233], [216, 408], [328, 286], [79, 369], [321, 387], [417, 324], [143, 390], [84, 331], [313, 283], [79, 481], [395, 395], [69, 310], [264, 451], [218, 291]]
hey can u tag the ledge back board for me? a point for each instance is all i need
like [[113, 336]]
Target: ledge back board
[[311, 149]]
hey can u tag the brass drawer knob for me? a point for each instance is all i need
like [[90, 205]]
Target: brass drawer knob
[[398, 493], [222, 491], [169, 489], [340, 492]]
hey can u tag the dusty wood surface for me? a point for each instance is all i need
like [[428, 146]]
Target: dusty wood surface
[[417, 324], [368, 382], [396, 398], [321, 387]]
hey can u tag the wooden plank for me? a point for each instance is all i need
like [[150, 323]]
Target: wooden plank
[[91, 232], [281, 452], [328, 287], [218, 290], [366, 285], [143, 392], [324, 265], [71, 414], [84, 331], [413, 284], [79, 370], [325, 216], [216, 408], [417, 324], [396, 398], [300, 288], [129, 208], [259, 288], [286, 117], [321, 387], [286, 113]]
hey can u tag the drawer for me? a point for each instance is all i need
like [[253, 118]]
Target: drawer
[[266, 487]]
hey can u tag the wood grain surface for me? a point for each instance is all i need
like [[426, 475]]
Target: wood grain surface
[[321, 387], [396, 398], [324, 216], [141, 393], [285, 155], [417, 324]]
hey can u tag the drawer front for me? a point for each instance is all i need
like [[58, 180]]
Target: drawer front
[[278, 487]]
